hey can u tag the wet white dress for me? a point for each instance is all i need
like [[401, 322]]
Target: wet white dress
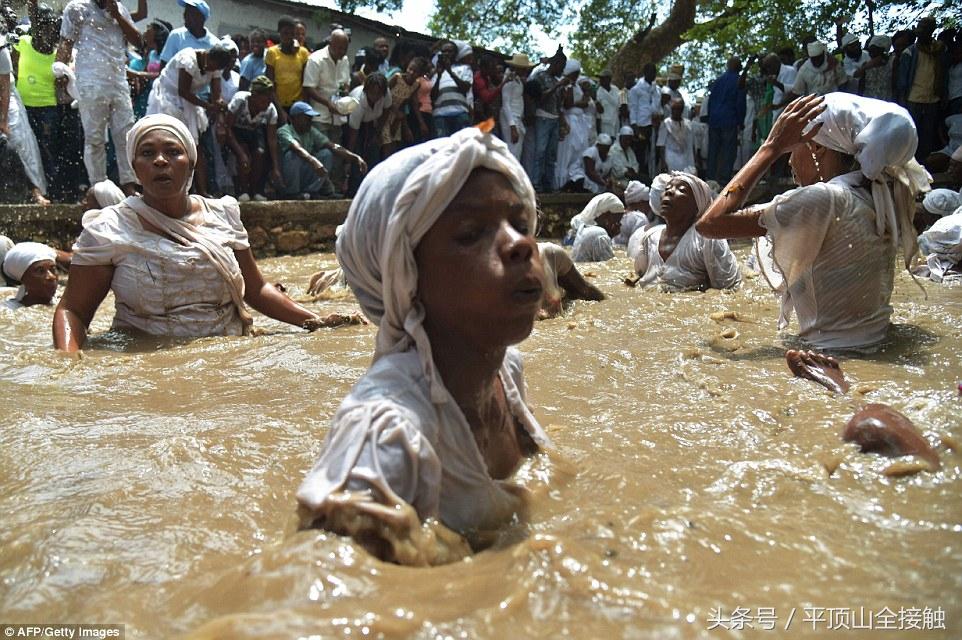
[[162, 287], [941, 246], [839, 273], [592, 244], [697, 262], [389, 437], [557, 263], [165, 94], [630, 222]]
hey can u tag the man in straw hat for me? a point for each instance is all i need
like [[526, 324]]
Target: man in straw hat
[[675, 73], [511, 117]]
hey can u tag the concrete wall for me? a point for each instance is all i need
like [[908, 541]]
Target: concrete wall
[[275, 228]]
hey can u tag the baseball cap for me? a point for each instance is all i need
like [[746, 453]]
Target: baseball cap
[[200, 5], [301, 108]]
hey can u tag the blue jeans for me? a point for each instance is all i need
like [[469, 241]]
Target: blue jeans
[[546, 131], [447, 125], [722, 149], [299, 176]]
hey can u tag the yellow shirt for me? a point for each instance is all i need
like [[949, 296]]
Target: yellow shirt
[[923, 84], [288, 72]]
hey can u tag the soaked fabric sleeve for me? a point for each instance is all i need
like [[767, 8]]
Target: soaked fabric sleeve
[[376, 446], [798, 221], [228, 214], [723, 272], [592, 244], [101, 239]]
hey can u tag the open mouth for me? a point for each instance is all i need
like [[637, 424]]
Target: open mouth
[[528, 292]]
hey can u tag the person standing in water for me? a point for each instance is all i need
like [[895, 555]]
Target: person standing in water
[[852, 158], [439, 249]]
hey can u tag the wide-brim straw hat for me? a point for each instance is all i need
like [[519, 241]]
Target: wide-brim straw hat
[[519, 61]]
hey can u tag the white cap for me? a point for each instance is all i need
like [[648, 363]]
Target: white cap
[[626, 131], [815, 49], [604, 139], [849, 38], [942, 202]]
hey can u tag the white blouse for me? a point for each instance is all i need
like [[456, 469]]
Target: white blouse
[[839, 273], [389, 437], [160, 286], [696, 263]]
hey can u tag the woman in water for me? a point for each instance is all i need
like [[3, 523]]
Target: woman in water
[[439, 249], [592, 229], [178, 265], [675, 254], [834, 238], [34, 267]]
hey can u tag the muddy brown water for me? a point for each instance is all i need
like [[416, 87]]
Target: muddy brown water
[[151, 483]]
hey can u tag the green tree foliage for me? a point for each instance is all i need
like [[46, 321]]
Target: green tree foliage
[[599, 28], [605, 25], [506, 24]]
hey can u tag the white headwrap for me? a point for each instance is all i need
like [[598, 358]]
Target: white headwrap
[[600, 204], [398, 202], [6, 244], [815, 49], [626, 131], [882, 42], [636, 192], [19, 259], [657, 190], [882, 138], [571, 66], [164, 123], [604, 139], [699, 188], [942, 202], [107, 194], [464, 49], [849, 38], [228, 43]]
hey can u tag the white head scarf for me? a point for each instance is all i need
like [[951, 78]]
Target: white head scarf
[[604, 139], [699, 188], [882, 138], [636, 192], [815, 49], [398, 202], [165, 123], [571, 66], [228, 43], [657, 190], [882, 42], [464, 49], [600, 204], [19, 259], [942, 202], [6, 244], [849, 38], [626, 131]]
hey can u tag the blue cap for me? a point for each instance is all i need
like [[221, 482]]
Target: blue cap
[[200, 5], [300, 108]]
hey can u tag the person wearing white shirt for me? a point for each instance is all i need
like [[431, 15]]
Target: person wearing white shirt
[[512, 103], [624, 163], [595, 166], [326, 73], [676, 142], [608, 98], [100, 30], [853, 57], [644, 108]]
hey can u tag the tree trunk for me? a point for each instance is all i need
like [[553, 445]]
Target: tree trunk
[[658, 43]]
